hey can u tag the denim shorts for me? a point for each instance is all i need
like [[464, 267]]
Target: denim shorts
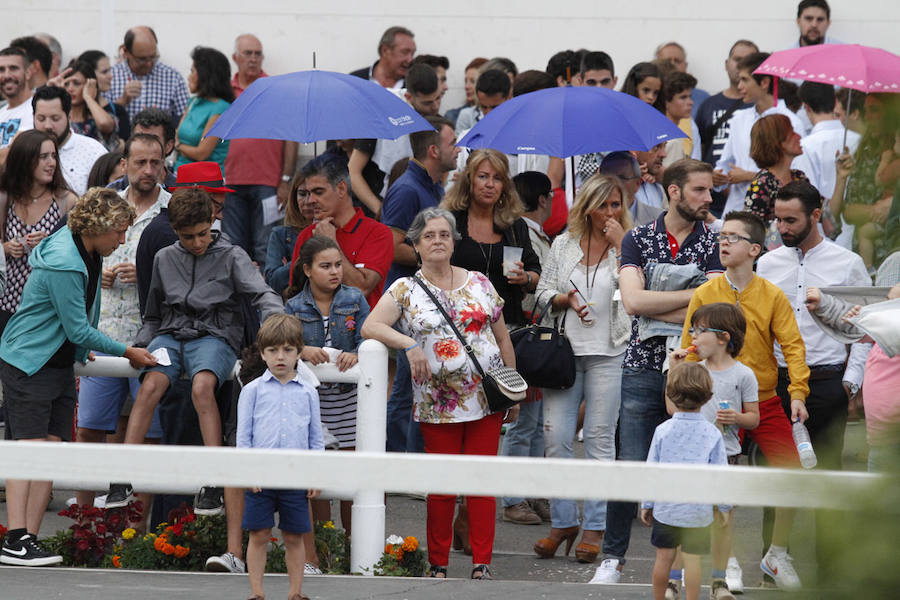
[[189, 357], [292, 507], [100, 402]]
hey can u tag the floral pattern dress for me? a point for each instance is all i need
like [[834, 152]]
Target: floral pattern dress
[[453, 394]]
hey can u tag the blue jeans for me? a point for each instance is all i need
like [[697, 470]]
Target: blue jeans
[[525, 437], [242, 220], [597, 383], [643, 409], [403, 433]]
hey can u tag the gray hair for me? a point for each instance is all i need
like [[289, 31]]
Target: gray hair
[[390, 35], [52, 43], [414, 233], [332, 167]]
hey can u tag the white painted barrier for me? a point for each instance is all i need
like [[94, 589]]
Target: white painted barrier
[[370, 472]]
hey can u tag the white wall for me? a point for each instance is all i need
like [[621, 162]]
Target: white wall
[[344, 34]]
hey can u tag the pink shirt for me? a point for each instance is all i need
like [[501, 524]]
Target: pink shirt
[[880, 399], [252, 161]]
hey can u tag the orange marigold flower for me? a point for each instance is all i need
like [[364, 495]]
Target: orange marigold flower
[[169, 529], [158, 543], [181, 551], [117, 561], [388, 549], [398, 553], [410, 544], [168, 549]]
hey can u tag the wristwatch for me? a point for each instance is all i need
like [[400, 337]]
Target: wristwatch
[[285, 178]]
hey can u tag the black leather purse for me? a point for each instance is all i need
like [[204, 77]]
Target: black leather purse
[[543, 354], [504, 387]]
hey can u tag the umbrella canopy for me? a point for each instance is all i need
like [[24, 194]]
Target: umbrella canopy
[[852, 66], [308, 106], [566, 121]]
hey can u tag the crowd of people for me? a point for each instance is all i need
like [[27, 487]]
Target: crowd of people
[[129, 231]]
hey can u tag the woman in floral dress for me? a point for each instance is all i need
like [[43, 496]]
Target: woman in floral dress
[[449, 402]]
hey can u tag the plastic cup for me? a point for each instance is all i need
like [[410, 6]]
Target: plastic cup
[[511, 255]]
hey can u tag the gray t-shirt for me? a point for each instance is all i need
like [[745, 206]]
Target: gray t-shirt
[[735, 385]]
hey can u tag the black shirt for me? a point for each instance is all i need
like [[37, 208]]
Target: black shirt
[[65, 356]]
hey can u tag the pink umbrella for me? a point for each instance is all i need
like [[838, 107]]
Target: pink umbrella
[[861, 68]]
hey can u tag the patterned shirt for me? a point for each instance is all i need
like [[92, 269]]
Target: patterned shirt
[[163, 88], [760, 199], [453, 393], [650, 244], [18, 269]]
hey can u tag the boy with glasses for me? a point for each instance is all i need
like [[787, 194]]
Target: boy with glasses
[[769, 318]]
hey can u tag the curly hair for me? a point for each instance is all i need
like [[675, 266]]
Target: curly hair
[[766, 138], [100, 211], [508, 207], [593, 193], [190, 206]]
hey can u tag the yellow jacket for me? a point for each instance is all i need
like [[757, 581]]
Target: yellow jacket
[[769, 319]]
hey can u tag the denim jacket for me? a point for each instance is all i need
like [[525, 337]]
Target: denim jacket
[[281, 245], [348, 311], [663, 277]]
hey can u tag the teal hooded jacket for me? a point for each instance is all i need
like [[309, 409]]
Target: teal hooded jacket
[[53, 309]]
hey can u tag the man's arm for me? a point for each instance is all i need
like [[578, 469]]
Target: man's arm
[[403, 252], [358, 161], [650, 303], [288, 166]]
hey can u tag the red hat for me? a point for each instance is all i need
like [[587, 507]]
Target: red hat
[[204, 174]]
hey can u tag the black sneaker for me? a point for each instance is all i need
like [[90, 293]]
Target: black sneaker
[[27, 553], [120, 495], [210, 501]]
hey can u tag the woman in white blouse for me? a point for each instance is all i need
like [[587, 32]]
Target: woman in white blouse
[[580, 281]]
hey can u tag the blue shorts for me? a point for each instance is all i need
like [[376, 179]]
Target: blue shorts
[[100, 402], [693, 540], [292, 507], [189, 357]]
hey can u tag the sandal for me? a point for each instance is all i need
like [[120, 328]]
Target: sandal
[[481, 572], [437, 572]]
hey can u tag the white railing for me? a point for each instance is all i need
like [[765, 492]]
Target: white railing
[[369, 471]]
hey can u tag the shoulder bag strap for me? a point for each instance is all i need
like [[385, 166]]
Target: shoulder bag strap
[[450, 322]]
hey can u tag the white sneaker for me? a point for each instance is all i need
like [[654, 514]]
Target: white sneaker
[[673, 589], [609, 572], [227, 563], [781, 570], [734, 576], [311, 569]]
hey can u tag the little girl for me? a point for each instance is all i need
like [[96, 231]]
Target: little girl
[[645, 81], [717, 334], [332, 316]]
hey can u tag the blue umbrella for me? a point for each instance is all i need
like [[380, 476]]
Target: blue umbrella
[[566, 121], [308, 106]]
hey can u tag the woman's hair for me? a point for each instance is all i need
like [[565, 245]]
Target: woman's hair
[[189, 206], [280, 329], [86, 69], [22, 160], [213, 74], [766, 138], [307, 256], [100, 211], [725, 316], [689, 386], [103, 168], [293, 216], [508, 207], [594, 192], [414, 233], [639, 73], [91, 57]]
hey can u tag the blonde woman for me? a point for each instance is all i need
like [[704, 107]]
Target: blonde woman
[[579, 281], [488, 214]]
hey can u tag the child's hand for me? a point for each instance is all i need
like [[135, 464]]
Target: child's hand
[[813, 297], [346, 360], [852, 313], [677, 357], [255, 490], [314, 354], [647, 516], [313, 493], [727, 416]]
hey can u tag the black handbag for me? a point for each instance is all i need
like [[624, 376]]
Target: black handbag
[[504, 387], [543, 354]]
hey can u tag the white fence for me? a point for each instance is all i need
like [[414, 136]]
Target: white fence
[[369, 471]]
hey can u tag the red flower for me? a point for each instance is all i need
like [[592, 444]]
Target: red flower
[[474, 317], [178, 529], [83, 544], [101, 529], [446, 349]]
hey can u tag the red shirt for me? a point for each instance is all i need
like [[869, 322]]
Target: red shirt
[[251, 161], [366, 242]]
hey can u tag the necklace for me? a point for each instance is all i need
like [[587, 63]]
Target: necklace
[[590, 279], [34, 199], [432, 281], [487, 257]]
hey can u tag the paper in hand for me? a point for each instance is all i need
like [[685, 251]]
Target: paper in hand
[[162, 357], [271, 212]]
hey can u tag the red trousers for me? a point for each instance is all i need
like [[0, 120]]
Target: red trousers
[[479, 437], [774, 437]]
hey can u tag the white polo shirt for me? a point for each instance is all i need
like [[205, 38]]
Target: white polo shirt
[[76, 158]]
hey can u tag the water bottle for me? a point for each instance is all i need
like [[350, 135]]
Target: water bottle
[[804, 446]]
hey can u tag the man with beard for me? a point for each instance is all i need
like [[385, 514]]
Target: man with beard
[[77, 153], [808, 260], [813, 21], [16, 116], [769, 319], [395, 54], [678, 237]]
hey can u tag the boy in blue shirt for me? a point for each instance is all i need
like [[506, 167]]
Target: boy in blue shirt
[[278, 410], [685, 438]]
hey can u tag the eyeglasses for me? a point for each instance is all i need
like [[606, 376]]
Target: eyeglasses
[[695, 331], [146, 60], [732, 238]]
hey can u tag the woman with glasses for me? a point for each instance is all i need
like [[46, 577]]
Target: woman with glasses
[[579, 283], [297, 215], [210, 82]]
